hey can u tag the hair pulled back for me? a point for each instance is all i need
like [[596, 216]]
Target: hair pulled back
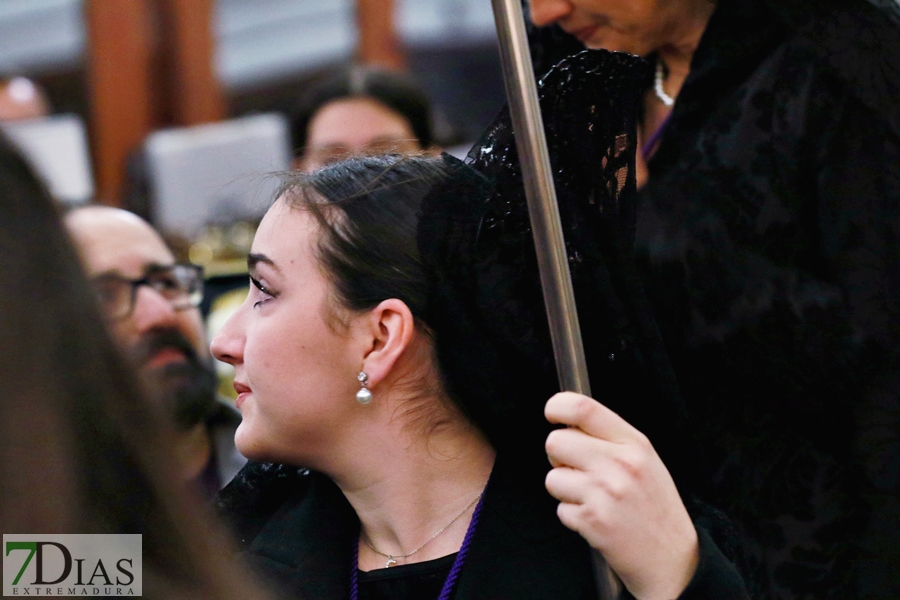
[[368, 210]]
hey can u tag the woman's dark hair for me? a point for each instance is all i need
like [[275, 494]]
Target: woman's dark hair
[[81, 450], [393, 89], [369, 245], [382, 235], [368, 210]]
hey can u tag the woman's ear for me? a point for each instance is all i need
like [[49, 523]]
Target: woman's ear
[[390, 327]]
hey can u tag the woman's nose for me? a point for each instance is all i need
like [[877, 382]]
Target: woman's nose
[[547, 12], [228, 344]]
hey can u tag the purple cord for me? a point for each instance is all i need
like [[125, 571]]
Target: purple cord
[[461, 555], [647, 148], [354, 572], [449, 583]]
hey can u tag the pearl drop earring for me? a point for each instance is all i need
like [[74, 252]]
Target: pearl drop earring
[[363, 396]]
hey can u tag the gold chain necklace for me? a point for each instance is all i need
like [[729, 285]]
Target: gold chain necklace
[[392, 558]]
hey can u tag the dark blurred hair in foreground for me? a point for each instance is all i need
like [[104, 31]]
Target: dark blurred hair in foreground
[[81, 451]]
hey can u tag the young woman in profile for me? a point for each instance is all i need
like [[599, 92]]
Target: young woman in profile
[[423, 465], [81, 451]]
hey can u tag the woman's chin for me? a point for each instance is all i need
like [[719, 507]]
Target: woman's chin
[[251, 445], [618, 43], [257, 446]]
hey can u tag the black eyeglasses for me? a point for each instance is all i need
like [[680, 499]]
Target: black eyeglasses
[[180, 284]]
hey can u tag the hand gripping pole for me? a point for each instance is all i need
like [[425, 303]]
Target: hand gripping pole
[[546, 226]]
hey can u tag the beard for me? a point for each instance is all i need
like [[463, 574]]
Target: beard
[[186, 390]]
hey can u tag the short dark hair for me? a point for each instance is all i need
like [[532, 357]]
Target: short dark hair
[[393, 89]]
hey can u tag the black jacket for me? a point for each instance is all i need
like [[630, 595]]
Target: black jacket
[[297, 529], [770, 229]]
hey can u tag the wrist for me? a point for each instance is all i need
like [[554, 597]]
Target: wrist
[[674, 576]]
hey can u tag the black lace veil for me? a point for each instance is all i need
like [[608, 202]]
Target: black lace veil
[[486, 306]]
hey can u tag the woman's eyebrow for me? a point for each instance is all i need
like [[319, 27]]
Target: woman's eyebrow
[[255, 259]]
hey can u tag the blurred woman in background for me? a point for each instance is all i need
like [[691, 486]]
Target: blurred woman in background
[[360, 110]]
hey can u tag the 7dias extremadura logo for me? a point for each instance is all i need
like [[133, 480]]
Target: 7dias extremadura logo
[[72, 565]]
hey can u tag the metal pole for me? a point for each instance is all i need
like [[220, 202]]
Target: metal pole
[[546, 226]]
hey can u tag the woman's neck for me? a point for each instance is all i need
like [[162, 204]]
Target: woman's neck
[[676, 56], [678, 51], [406, 488]]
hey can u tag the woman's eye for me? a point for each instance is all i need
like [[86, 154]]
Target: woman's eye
[[262, 290]]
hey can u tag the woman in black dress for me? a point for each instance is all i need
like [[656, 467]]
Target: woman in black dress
[[414, 490], [768, 223]]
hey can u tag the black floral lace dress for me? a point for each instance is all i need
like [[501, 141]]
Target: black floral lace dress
[[770, 237]]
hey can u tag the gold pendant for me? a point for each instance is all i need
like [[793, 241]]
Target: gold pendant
[[390, 561]]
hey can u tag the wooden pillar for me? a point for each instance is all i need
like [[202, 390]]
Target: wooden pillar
[[186, 31], [120, 72], [150, 65], [379, 43]]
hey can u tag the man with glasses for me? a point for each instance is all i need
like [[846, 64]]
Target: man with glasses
[[150, 302]]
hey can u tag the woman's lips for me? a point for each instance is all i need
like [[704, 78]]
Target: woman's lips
[[242, 392]]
